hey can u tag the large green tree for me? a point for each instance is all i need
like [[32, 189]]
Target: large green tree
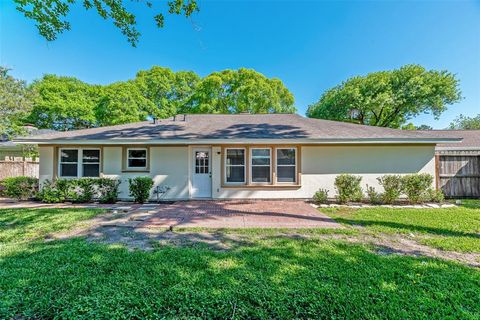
[[389, 98], [465, 123], [50, 16], [122, 102], [243, 90], [16, 101], [169, 91], [64, 103]]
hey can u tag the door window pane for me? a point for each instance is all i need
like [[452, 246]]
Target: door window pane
[[261, 165], [201, 162], [235, 165]]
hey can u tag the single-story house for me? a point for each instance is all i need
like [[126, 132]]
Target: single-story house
[[458, 164], [237, 156]]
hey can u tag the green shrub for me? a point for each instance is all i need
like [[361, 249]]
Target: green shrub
[[20, 188], [139, 188], [348, 188], [416, 186], [321, 196], [373, 196], [392, 185], [435, 195], [107, 190], [49, 193]]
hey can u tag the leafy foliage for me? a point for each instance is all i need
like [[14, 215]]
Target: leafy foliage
[[417, 187], [79, 190], [139, 188], [16, 101], [321, 196], [50, 193], [64, 103], [50, 16], [373, 196], [243, 90], [388, 98], [348, 188], [122, 102], [393, 187], [21, 188], [107, 190], [465, 123]]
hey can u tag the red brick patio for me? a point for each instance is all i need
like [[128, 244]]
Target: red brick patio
[[239, 214]]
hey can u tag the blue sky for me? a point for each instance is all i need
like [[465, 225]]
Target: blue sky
[[310, 45]]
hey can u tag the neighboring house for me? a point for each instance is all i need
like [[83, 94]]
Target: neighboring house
[[9, 149], [237, 156], [458, 164]]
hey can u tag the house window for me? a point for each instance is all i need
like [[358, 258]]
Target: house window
[[260, 165], [286, 165], [69, 163], [235, 165], [137, 158], [75, 163]]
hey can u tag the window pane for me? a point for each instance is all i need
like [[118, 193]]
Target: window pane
[[285, 156], [236, 156], [137, 153], [261, 161], [91, 156], [286, 174], [260, 174], [261, 153], [91, 170], [68, 170], [137, 163], [235, 174], [69, 156]]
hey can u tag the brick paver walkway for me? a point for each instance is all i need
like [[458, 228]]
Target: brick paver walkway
[[208, 214]]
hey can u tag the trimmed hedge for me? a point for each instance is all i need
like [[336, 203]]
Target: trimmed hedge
[[140, 187], [20, 188], [348, 188]]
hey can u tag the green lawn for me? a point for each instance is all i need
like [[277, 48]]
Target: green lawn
[[271, 277], [455, 229]]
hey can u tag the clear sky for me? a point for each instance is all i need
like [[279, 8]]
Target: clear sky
[[310, 45]]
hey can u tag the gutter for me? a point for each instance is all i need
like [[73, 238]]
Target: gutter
[[238, 141]]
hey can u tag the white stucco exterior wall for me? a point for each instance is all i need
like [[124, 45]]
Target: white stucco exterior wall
[[170, 166], [321, 164], [46, 172]]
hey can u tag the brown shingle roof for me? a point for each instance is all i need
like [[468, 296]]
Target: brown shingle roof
[[239, 126], [471, 139]]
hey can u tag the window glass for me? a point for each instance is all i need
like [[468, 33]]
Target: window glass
[[286, 165], [261, 165], [68, 163], [137, 158], [92, 156], [201, 162], [91, 162], [235, 166]]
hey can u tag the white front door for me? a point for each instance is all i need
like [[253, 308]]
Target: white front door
[[201, 173]]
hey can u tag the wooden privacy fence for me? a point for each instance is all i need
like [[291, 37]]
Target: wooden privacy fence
[[459, 175], [18, 166]]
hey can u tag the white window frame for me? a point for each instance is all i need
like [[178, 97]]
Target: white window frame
[[235, 165], [79, 163], [286, 165], [252, 165], [137, 168]]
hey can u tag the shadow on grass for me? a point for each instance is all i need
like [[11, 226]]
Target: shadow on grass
[[408, 227], [277, 278]]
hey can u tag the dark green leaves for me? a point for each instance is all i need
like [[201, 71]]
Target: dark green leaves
[[389, 98]]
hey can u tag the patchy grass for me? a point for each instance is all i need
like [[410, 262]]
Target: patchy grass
[[30, 224], [456, 229], [272, 277]]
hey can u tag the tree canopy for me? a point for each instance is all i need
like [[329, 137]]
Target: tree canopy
[[465, 123], [389, 98], [50, 16], [66, 103], [15, 103]]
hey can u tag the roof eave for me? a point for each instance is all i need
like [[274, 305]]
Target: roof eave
[[240, 141]]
